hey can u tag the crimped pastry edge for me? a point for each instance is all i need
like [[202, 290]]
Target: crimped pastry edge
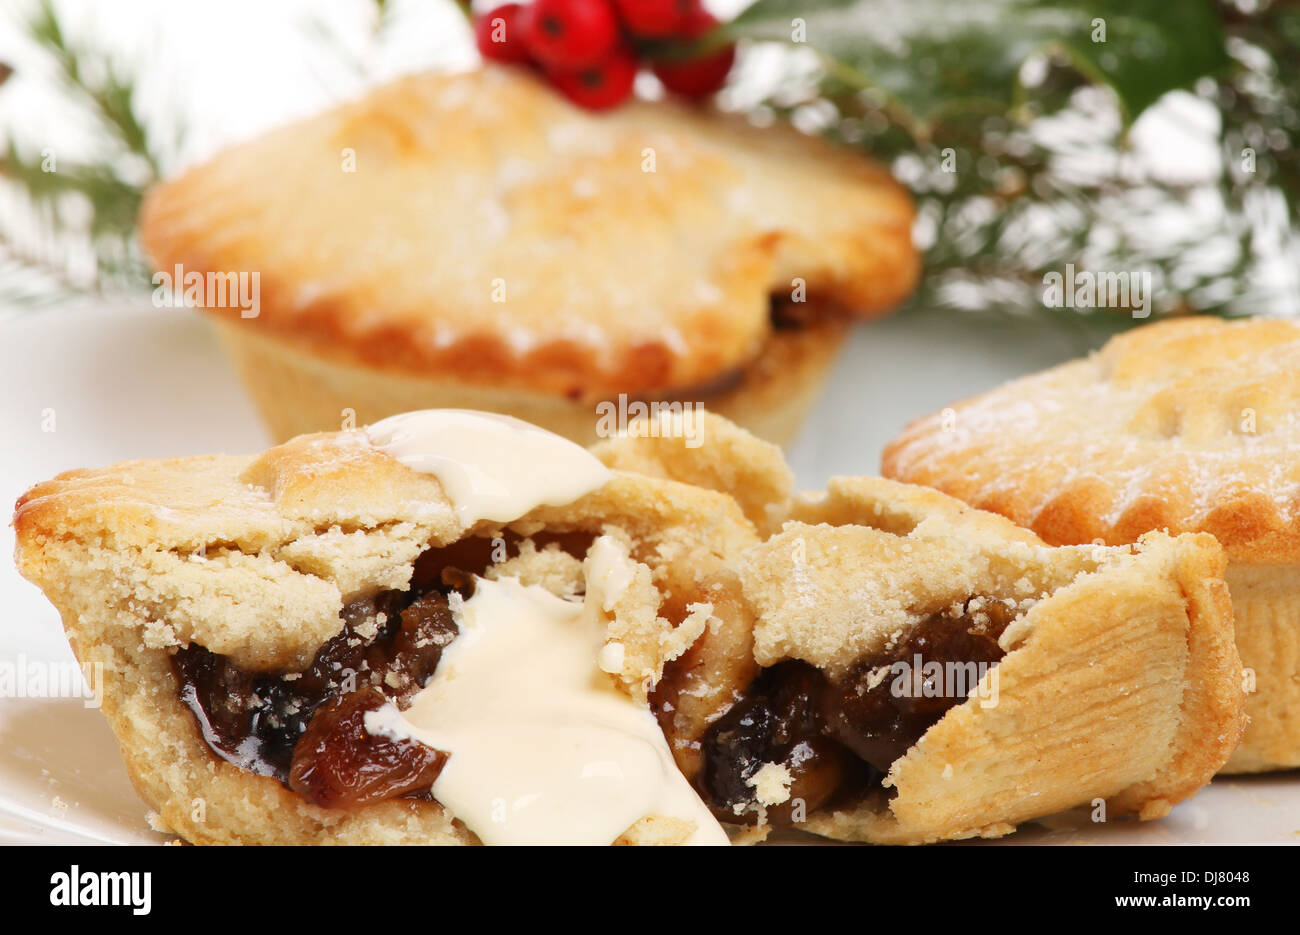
[[1010, 450]]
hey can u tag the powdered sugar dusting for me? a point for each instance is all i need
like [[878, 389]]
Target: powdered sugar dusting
[[1188, 442]]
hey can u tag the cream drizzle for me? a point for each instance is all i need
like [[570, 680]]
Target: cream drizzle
[[492, 467], [545, 748]]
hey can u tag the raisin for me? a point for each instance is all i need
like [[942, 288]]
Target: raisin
[[340, 764], [220, 695], [391, 642], [842, 737], [777, 722], [880, 716], [424, 630]]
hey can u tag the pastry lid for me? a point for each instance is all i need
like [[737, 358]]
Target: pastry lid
[[478, 226], [1190, 425]]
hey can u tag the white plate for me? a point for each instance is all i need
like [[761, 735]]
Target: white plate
[[140, 382]]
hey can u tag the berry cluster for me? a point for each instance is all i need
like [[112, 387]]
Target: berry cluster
[[590, 49]]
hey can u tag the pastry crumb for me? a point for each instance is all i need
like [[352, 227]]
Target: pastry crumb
[[771, 784]]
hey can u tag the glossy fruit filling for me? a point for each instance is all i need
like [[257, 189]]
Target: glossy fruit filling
[[837, 739], [307, 729]]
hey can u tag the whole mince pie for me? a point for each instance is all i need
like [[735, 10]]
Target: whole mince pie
[[689, 256], [900, 668], [1188, 426], [377, 636]]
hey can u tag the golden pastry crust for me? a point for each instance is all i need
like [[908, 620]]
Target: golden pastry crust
[[495, 234], [1125, 689], [1187, 425], [1266, 607], [706, 450], [1120, 682], [149, 555], [298, 392], [902, 510]]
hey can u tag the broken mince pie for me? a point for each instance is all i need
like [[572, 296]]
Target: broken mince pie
[[476, 240], [900, 668], [1191, 425], [441, 629]]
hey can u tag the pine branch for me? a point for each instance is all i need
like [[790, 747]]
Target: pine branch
[[93, 204], [1014, 206], [110, 98], [30, 280]]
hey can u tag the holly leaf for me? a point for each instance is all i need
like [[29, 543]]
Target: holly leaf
[[936, 56]]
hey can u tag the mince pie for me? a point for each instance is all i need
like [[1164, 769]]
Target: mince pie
[[476, 240], [1191, 425], [897, 667], [389, 635]]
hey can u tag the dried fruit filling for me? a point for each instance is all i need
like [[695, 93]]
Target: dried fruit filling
[[838, 739], [307, 729]]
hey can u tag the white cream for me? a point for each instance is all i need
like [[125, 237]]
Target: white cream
[[544, 747], [491, 466]]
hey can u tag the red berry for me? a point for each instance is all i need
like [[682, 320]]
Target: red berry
[[570, 34], [655, 19], [499, 34], [696, 20], [600, 86], [697, 77]]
